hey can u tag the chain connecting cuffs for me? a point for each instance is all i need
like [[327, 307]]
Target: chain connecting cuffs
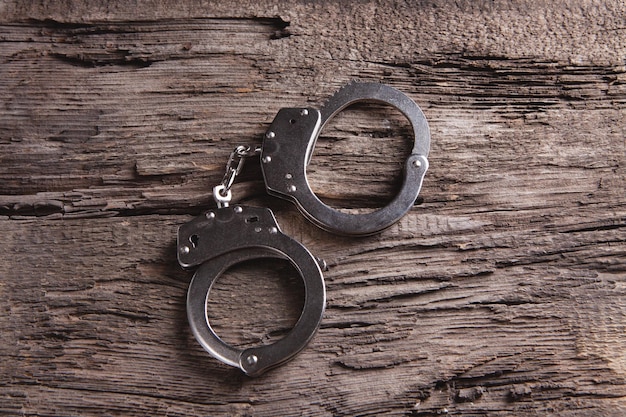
[[221, 193]]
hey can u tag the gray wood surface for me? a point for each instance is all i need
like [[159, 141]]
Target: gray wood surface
[[501, 293]]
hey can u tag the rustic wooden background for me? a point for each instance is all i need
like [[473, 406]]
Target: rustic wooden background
[[501, 293]]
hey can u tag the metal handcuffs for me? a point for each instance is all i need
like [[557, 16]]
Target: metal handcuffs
[[229, 235]]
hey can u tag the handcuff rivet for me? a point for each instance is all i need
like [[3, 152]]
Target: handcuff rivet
[[184, 250], [288, 176], [238, 209], [270, 135], [291, 188], [252, 360], [267, 159], [210, 215], [257, 229], [304, 112], [417, 163], [273, 230]]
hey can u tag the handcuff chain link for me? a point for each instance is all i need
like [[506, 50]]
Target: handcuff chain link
[[221, 192]]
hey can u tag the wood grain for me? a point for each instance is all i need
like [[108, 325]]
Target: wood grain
[[501, 293]]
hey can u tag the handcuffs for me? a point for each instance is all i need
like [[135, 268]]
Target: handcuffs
[[228, 235]]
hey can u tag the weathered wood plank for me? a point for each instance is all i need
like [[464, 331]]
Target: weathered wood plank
[[500, 293]]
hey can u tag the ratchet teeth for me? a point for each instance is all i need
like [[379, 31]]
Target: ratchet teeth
[[343, 87]]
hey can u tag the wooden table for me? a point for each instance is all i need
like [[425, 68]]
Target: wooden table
[[502, 292]]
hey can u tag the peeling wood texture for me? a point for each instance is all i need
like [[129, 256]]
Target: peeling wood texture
[[503, 292]]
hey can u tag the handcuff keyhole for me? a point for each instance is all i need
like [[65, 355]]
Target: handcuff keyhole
[[252, 219], [194, 240], [292, 121]]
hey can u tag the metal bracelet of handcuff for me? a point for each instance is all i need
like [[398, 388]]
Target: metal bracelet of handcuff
[[229, 235]]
